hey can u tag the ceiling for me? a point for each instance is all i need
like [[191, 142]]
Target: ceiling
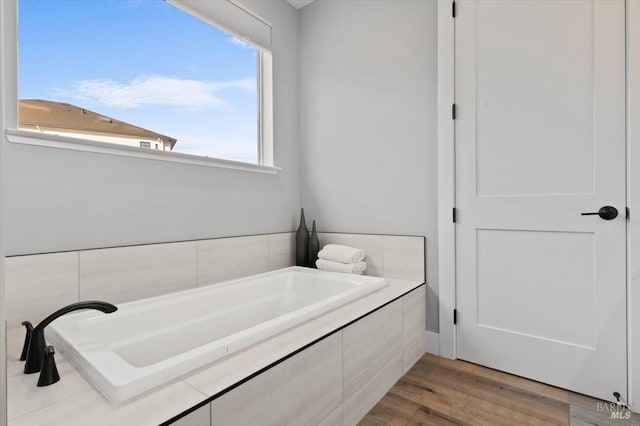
[[298, 4]]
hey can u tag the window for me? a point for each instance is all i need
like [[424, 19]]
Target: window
[[118, 71]]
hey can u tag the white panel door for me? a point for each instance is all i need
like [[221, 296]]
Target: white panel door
[[540, 139]]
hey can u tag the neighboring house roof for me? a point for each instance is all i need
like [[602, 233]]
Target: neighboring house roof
[[41, 114]]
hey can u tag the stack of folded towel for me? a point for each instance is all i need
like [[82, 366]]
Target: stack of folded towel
[[337, 258]]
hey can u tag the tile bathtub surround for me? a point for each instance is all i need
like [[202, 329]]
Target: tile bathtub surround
[[165, 402], [282, 250], [124, 274], [229, 258], [403, 257], [381, 335], [224, 259], [366, 397], [389, 256], [414, 318], [283, 395], [37, 285], [200, 417], [371, 244], [94, 272]]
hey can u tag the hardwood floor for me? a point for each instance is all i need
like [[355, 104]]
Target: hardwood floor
[[439, 391]]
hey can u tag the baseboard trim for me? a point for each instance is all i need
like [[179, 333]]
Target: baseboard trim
[[432, 341]]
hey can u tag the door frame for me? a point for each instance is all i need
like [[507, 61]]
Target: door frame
[[446, 180], [447, 189]]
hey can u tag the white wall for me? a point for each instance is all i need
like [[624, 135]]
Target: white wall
[[368, 94], [69, 200], [633, 187]]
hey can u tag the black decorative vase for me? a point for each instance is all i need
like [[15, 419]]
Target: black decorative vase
[[302, 241], [314, 247]]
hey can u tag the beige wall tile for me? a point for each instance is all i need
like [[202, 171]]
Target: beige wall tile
[[225, 259], [280, 261], [403, 257], [37, 285], [283, 243], [200, 417], [414, 316], [123, 274], [283, 395], [369, 345], [315, 381], [414, 324], [259, 401], [370, 392], [352, 311], [333, 419], [282, 250], [412, 352]]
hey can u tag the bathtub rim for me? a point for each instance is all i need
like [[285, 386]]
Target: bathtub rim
[[121, 390]]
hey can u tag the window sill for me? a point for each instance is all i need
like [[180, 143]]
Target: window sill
[[75, 144]]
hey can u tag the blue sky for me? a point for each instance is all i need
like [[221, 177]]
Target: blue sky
[[144, 62]]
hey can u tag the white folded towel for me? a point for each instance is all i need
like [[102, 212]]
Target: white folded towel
[[342, 254], [347, 268]]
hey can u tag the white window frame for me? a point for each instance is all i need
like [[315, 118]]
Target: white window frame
[[19, 136], [8, 50]]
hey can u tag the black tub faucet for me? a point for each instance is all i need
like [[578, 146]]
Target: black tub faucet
[[37, 345]]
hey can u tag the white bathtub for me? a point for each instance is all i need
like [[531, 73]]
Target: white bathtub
[[152, 341]]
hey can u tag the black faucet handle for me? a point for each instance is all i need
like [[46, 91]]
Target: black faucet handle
[[38, 345], [49, 372], [27, 340]]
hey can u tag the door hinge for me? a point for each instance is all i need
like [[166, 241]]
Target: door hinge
[[455, 316], [453, 9], [627, 212], [453, 111], [453, 214]]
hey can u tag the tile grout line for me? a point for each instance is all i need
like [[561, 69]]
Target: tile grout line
[[194, 388], [384, 274], [402, 347], [342, 377], [342, 368], [269, 238], [78, 260], [196, 264]]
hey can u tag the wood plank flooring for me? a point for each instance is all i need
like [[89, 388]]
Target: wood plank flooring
[[439, 391]]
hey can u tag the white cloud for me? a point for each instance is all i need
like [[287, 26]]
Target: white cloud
[[134, 3], [157, 90], [238, 42]]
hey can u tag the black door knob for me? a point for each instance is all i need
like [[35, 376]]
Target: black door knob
[[606, 213]]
